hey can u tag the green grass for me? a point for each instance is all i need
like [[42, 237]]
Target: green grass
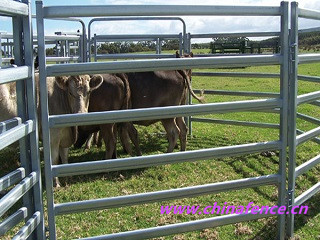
[[153, 141]]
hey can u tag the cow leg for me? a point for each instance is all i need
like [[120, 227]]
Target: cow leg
[[133, 133], [98, 139], [89, 141], [183, 133], [55, 157], [127, 130], [124, 138], [110, 140], [172, 132], [64, 154]]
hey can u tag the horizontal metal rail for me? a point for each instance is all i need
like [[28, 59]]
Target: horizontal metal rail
[[307, 135], [157, 10], [47, 37], [187, 192], [16, 133], [236, 74], [160, 64], [161, 159], [13, 8], [308, 118], [309, 78], [8, 124], [62, 59], [240, 34], [13, 220], [307, 166], [95, 118], [309, 58], [12, 178], [310, 14], [236, 123], [135, 37], [307, 194], [29, 227], [14, 74], [177, 228], [308, 97], [17, 192], [315, 139], [308, 30], [239, 93], [136, 56], [316, 103]]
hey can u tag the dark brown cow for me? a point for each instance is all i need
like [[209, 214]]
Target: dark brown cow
[[114, 94], [160, 89]]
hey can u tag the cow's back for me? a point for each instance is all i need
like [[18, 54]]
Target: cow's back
[[156, 89], [111, 95]]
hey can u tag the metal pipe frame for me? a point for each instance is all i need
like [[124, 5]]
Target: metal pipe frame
[[129, 115], [142, 198], [236, 123], [239, 93], [12, 178], [308, 135], [29, 189], [17, 192], [307, 166], [161, 64], [241, 34], [155, 160], [236, 74], [181, 227], [67, 120], [307, 194], [29, 227], [184, 31], [11, 123], [135, 56], [13, 220]]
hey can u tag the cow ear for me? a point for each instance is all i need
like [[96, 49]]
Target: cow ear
[[62, 82], [177, 54], [95, 81]]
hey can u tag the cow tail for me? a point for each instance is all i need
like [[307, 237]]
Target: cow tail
[[127, 93], [188, 82]]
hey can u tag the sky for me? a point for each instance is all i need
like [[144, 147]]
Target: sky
[[198, 24]]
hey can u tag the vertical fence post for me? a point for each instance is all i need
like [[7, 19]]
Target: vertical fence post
[[17, 23], [293, 89], [45, 120], [95, 47], [32, 114], [284, 78]]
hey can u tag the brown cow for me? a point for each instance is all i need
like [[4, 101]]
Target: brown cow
[[160, 89], [114, 94]]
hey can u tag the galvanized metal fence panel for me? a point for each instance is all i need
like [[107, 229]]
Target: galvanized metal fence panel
[[279, 103], [155, 113], [295, 100], [27, 178]]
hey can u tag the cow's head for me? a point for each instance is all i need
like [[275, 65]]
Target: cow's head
[[78, 89]]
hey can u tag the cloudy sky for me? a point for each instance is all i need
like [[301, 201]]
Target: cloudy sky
[[197, 24]]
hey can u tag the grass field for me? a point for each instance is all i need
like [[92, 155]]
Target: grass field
[[153, 141]]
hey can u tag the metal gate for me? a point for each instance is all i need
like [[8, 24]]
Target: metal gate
[[26, 180], [57, 121], [294, 101], [286, 102]]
